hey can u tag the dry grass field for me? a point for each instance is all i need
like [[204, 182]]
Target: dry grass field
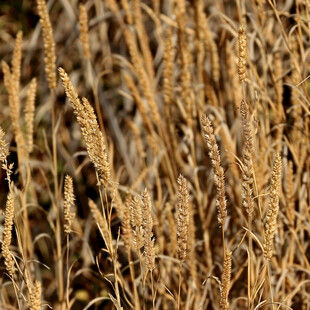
[[155, 154]]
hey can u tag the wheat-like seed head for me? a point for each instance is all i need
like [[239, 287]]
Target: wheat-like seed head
[[68, 204], [273, 208], [248, 151], [4, 150], [7, 235], [242, 53], [83, 21], [29, 113], [182, 217], [49, 43], [214, 155], [225, 283], [126, 223], [16, 61], [147, 224], [136, 220], [95, 144], [35, 296]]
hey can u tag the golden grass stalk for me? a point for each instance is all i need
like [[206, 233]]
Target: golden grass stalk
[[83, 21], [273, 208], [29, 113], [138, 100], [93, 137], [182, 217], [214, 155], [101, 221], [225, 283], [11, 86], [242, 52], [147, 224], [137, 135], [290, 202], [127, 10], [205, 35], [142, 75], [7, 235], [16, 60], [192, 250], [49, 44], [13, 97], [68, 204], [232, 74], [186, 89], [172, 231], [168, 59], [35, 296], [4, 149], [143, 39]]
